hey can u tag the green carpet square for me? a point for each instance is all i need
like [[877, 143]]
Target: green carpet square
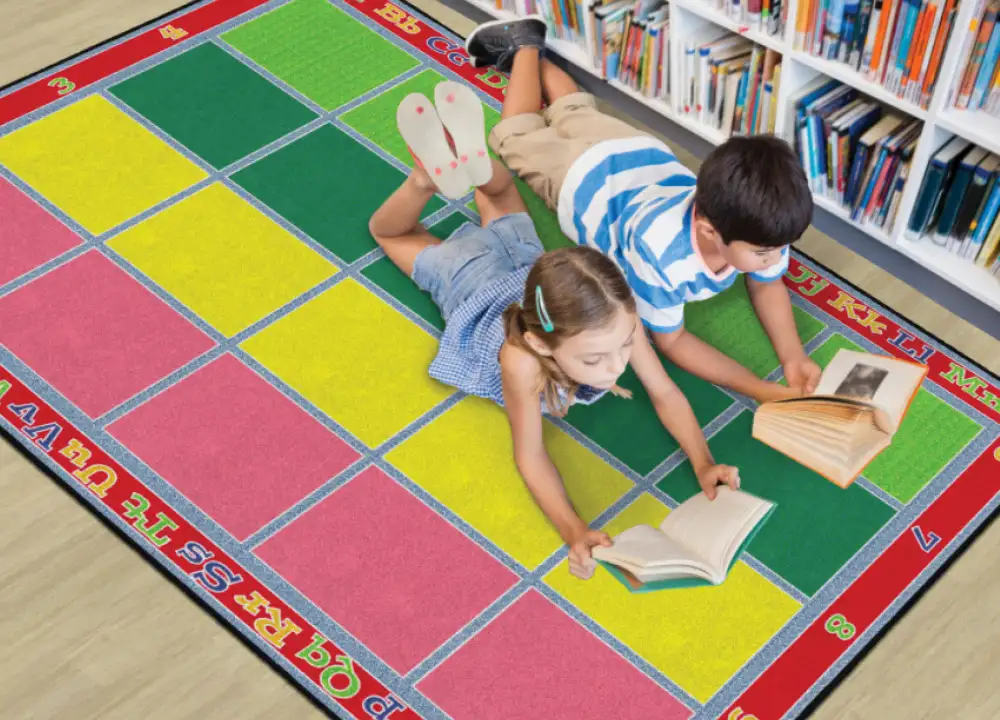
[[931, 435], [320, 51], [394, 281], [213, 104], [306, 182], [376, 120], [817, 526], [630, 429], [728, 322]]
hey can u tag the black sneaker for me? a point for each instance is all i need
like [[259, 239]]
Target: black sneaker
[[495, 43]]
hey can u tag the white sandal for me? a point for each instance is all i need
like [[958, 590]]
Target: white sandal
[[462, 114], [421, 129]]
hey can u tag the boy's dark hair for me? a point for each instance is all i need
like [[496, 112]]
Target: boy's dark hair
[[754, 189]]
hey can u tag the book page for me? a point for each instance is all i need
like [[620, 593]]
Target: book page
[[882, 381], [712, 527], [644, 547]]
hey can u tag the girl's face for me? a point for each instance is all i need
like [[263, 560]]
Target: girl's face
[[598, 357]]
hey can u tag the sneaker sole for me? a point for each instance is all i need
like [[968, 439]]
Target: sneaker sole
[[421, 129], [494, 23], [462, 114]]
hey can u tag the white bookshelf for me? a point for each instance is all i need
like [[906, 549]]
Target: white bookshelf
[[799, 71]]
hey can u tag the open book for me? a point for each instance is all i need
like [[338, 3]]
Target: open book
[[850, 418], [697, 543]]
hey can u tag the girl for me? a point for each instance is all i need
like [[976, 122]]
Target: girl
[[534, 331]]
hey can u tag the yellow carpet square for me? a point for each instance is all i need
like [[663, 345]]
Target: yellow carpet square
[[698, 637], [223, 258], [355, 358], [465, 459], [97, 164]]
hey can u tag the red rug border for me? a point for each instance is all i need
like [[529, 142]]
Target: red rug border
[[783, 683]]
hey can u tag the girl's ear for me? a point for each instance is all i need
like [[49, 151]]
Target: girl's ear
[[537, 345]]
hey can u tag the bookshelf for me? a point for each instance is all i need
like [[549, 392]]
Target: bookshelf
[[802, 70]]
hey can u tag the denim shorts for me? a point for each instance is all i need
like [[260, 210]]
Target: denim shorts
[[474, 256]]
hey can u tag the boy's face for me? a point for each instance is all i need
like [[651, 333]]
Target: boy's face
[[749, 258]]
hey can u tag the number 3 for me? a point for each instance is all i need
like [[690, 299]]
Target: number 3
[[64, 85], [737, 714]]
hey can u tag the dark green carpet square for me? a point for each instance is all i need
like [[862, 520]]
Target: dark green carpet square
[[728, 322], [930, 436], [321, 51], [394, 281], [630, 429], [213, 104], [328, 185], [817, 526]]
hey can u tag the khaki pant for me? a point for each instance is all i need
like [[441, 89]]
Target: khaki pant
[[540, 148]]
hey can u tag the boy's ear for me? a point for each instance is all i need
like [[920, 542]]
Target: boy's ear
[[704, 229], [537, 345]]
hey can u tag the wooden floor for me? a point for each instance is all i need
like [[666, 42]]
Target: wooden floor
[[90, 630]]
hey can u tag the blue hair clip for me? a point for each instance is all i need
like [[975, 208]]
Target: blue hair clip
[[543, 313]]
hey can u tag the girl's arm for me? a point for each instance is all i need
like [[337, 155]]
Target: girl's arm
[[678, 418], [520, 373]]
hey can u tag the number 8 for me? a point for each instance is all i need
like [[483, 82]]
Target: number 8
[[838, 625]]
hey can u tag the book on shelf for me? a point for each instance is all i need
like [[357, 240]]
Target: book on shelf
[[764, 16], [730, 84], [958, 203], [853, 151], [697, 544], [851, 417], [977, 85], [897, 44]]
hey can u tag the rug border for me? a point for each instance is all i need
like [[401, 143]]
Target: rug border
[[19, 442], [189, 4]]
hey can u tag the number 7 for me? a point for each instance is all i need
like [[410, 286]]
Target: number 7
[[926, 542]]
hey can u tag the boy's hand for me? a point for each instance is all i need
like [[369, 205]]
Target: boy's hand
[[802, 374], [581, 562], [710, 478]]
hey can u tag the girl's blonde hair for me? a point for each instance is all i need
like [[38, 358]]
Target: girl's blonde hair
[[581, 289]]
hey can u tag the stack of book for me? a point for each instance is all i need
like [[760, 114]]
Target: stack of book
[[898, 44], [631, 44], [977, 85], [958, 204], [730, 84], [855, 152]]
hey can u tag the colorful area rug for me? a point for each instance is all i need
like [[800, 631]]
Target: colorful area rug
[[200, 340]]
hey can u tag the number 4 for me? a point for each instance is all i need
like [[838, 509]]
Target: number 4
[[169, 32], [926, 542]]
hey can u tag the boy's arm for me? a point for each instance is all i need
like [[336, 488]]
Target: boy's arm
[[678, 418], [773, 306], [693, 354], [519, 374]]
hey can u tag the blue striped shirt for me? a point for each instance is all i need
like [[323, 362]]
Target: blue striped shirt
[[632, 199]]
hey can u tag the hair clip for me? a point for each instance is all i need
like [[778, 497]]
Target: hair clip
[[543, 313]]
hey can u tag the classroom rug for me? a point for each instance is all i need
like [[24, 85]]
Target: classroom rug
[[200, 340]]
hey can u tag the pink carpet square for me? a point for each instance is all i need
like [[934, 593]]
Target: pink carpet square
[[387, 568], [29, 234], [95, 334], [233, 445], [535, 661]]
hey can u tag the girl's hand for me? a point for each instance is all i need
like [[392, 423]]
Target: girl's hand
[[710, 477], [581, 562]]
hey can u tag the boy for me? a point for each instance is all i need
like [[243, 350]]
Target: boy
[[677, 237]]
